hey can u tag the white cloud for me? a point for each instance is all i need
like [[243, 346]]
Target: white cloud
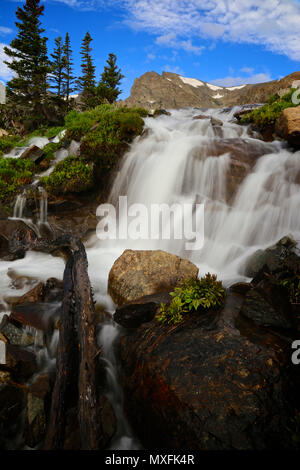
[[273, 24], [4, 30], [5, 72], [236, 81], [171, 40], [173, 69]]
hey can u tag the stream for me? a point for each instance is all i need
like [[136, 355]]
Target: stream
[[250, 203]]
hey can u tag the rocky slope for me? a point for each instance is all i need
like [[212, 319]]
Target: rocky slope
[[172, 91]]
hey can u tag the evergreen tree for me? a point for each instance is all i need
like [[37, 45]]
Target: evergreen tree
[[68, 78], [87, 82], [108, 88], [29, 62], [57, 66]]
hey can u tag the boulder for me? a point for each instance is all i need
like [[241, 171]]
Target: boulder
[[288, 126], [39, 315], [267, 305], [21, 362], [12, 398], [143, 310], [212, 382], [13, 334], [34, 153], [270, 258], [137, 273]]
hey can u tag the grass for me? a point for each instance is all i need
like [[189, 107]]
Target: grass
[[267, 115]]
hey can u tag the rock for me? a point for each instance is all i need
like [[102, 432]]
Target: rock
[[288, 126], [241, 288], [14, 335], [216, 122], [3, 133], [161, 112], [34, 153], [7, 229], [108, 419], [35, 421], [12, 399], [138, 273], [212, 382], [21, 362], [143, 310], [201, 116], [268, 305], [271, 258], [39, 315]]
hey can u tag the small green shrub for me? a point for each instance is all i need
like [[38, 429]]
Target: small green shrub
[[14, 173], [192, 295], [268, 114], [71, 175]]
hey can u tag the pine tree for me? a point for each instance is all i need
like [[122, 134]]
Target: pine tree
[[108, 88], [29, 62], [87, 82], [57, 66], [68, 78]]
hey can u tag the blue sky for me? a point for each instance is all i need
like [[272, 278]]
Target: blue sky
[[225, 42]]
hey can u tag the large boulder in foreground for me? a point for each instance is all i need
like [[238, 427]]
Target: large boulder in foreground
[[215, 381], [288, 126], [137, 273]]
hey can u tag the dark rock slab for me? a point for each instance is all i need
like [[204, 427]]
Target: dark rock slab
[[143, 310], [39, 315], [34, 153], [215, 381]]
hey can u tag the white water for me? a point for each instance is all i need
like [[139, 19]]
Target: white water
[[174, 163]]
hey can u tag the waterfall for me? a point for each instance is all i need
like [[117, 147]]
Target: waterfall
[[19, 206], [250, 190], [43, 211]]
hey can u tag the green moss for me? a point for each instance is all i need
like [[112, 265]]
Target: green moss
[[192, 295], [268, 114], [50, 149], [14, 173], [107, 142], [7, 143], [71, 175]]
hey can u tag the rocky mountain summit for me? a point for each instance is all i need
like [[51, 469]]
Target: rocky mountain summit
[[170, 90]]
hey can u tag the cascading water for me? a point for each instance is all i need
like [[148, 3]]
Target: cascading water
[[43, 212], [251, 193], [19, 206]]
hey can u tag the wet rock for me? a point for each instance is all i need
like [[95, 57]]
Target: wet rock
[[12, 398], [7, 229], [15, 335], [34, 153], [268, 305], [216, 122], [143, 310], [213, 382], [201, 116], [288, 126], [39, 315], [161, 112], [35, 421], [21, 362], [241, 288], [109, 420], [271, 258], [138, 273]]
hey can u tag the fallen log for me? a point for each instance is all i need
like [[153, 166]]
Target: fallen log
[[90, 409], [67, 365]]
